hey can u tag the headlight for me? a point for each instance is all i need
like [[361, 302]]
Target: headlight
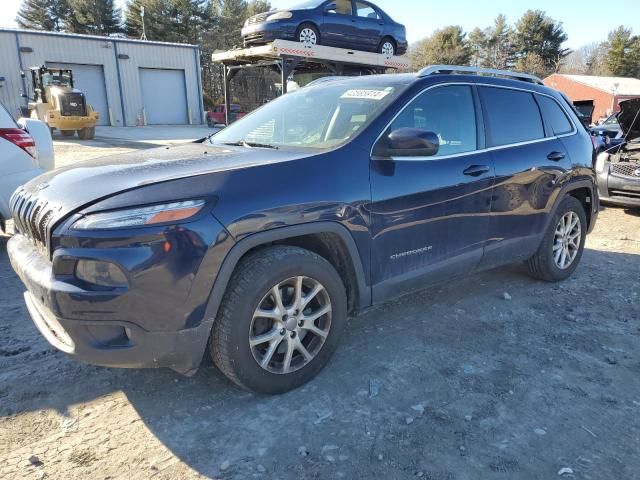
[[601, 162], [279, 16], [96, 272], [134, 217]]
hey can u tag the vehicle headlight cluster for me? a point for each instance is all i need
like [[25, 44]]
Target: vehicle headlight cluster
[[279, 16], [141, 216]]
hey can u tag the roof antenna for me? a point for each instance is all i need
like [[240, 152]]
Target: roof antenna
[[144, 32]]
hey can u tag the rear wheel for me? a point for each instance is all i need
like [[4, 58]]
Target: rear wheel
[[308, 35], [561, 249], [280, 320], [387, 47], [87, 133], [67, 133]]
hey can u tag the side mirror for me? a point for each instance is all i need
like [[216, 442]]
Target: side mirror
[[409, 142], [331, 8]]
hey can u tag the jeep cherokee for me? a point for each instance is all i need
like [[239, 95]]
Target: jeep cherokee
[[254, 245]]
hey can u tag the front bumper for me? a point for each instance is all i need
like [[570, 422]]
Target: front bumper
[[114, 328], [267, 32], [615, 189]]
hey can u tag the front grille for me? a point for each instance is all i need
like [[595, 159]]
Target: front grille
[[31, 218], [72, 104], [261, 18], [626, 169], [254, 38]]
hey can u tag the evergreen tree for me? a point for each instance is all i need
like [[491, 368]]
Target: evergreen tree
[[622, 56], [447, 46], [538, 38], [498, 49], [477, 46], [95, 17], [49, 15]]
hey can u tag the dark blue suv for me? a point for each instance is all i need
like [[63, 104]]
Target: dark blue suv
[[353, 24], [257, 243]]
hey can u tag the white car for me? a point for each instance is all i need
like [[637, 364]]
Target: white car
[[26, 151]]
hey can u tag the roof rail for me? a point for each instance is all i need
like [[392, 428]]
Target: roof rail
[[436, 69]]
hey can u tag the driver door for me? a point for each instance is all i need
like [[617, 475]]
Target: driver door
[[430, 215], [339, 26]]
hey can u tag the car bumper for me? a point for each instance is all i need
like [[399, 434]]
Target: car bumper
[[619, 190], [121, 327], [267, 32]]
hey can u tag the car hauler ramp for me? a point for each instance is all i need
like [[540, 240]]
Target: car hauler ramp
[[287, 57]]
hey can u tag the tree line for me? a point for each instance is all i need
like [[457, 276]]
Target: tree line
[[534, 44]]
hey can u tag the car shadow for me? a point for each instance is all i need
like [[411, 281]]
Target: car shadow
[[431, 358]]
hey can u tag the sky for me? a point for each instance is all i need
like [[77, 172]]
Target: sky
[[585, 21]]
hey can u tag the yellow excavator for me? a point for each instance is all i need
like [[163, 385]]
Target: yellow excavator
[[56, 102]]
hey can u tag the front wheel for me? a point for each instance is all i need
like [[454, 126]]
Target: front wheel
[[308, 35], [561, 249], [280, 320]]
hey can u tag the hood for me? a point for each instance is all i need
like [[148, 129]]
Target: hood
[[69, 189], [629, 118]]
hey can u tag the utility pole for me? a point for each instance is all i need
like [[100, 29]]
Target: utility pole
[[144, 32]]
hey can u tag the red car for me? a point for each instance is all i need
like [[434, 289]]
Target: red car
[[217, 116]]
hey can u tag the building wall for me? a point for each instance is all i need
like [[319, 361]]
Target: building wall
[[604, 102], [122, 81]]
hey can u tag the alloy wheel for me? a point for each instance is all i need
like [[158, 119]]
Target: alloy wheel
[[290, 325], [388, 49], [567, 239], [308, 36]]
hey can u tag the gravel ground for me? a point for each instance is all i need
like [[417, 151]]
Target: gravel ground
[[455, 382]]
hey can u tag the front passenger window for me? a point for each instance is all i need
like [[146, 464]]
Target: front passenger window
[[449, 112]]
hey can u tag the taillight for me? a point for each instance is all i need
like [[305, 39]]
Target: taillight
[[21, 139]]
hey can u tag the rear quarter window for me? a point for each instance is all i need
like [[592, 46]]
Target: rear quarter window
[[554, 116], [512, 116]]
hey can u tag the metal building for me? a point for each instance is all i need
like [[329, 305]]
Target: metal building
[[127, 81]]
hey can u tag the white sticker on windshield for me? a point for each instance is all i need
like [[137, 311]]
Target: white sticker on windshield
[[366, 94]]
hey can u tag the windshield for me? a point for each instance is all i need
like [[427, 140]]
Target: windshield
[[612, 120], [320, 117], [59, 79], [309, 5]]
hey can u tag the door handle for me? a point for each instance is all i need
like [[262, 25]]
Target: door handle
[[476, 170], [556, 156]]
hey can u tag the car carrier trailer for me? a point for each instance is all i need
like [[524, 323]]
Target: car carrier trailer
[[286, 58]]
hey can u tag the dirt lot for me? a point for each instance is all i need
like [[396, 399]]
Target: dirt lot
[[456, 382]]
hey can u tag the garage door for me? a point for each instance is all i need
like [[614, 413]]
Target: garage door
[[90, 80], [164, 96]]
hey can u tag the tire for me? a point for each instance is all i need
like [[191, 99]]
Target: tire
[[253, 284], [544, 265], [312, 32], [87, 133], [388, 47], [67, 133]]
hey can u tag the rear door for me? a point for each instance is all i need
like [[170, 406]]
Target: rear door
[[339, 25], [369, 25], [529, 160], [430, 215]]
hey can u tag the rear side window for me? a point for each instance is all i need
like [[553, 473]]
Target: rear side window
[[512, 116], [448, 112], [366, 11], [554, 115]]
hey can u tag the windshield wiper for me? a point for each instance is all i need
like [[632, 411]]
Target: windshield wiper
[[242, 143]]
